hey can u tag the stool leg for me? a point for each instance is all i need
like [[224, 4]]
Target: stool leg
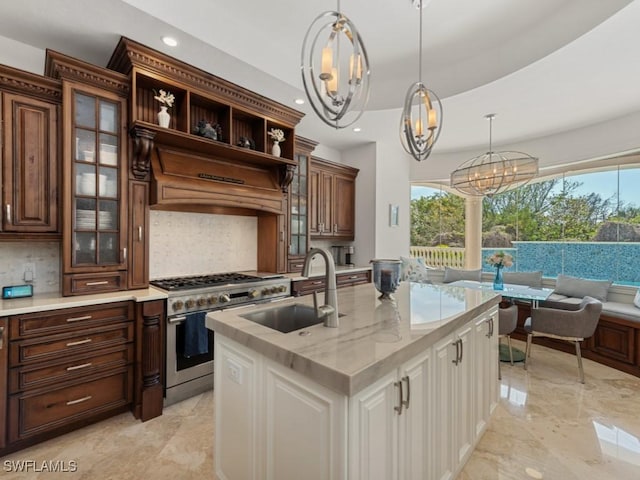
[[510, 349], [527, 351], [579, 361]]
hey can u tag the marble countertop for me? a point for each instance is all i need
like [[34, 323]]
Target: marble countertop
[[53, 301], [373, 337]]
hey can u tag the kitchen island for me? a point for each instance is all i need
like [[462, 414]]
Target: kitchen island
[[399, 390]]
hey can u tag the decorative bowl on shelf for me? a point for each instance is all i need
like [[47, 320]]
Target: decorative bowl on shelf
[[386, 276]]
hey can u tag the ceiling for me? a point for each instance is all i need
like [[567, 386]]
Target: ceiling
[[544, 66]]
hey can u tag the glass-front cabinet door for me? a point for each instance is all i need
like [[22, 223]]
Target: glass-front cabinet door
[[298, 209], [96, 212]]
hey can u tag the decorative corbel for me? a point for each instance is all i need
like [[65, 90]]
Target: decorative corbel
[[286, 176], [143, 141]]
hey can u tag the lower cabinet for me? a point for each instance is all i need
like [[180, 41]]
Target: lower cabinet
[[66, 368], [272, 423], [343, 279], [419, 421], [391, 425], [4, 363]]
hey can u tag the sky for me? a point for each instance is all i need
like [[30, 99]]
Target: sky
[[604, 183]]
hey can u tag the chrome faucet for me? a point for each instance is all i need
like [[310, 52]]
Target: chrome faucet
[[328, 311]]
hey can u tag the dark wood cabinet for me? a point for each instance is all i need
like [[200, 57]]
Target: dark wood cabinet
[[298, 206], [332, 190], [4, 374], [95, 205], [343, 279], [30, 167], [68, 367]]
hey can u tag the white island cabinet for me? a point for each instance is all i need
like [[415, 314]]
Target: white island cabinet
[[397, 391]]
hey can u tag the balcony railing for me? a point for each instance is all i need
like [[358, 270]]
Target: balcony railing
[[439, 256]]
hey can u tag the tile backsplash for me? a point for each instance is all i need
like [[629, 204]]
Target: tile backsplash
[[184, 243], [45, 257]]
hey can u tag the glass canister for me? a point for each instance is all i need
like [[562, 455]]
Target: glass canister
[[386, 276]]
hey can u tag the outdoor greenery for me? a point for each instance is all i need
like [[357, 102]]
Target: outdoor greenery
[[537, 212]]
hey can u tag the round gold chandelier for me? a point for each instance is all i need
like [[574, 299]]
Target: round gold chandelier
[[494, 172]]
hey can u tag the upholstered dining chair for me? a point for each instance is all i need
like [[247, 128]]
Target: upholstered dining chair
[[507, 322], [564, 322]]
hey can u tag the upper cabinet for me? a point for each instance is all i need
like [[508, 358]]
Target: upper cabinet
[[299, 206], [30, 168], [94, 250], [332, 198], [219, 124]]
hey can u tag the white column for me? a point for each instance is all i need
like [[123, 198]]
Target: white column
[[473, 232]]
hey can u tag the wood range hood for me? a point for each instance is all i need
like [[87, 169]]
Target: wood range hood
[[187, 180], [189, 172]]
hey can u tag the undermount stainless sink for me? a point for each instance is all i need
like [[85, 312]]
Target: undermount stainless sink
[[286, 318]]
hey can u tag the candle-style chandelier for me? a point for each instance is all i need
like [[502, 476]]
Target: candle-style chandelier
[[335, 69], [421, 121], [494, 172]]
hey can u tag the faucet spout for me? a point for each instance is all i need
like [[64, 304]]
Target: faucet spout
[[328, 311]]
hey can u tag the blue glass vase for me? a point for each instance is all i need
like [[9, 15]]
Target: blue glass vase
[[498, 284]]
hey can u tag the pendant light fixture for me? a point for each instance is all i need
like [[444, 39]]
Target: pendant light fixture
[[494, 172], [335, 69], [421, 120]]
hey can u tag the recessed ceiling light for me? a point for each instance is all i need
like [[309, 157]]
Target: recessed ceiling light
[[170, 41], [299, 101], [357, 129]]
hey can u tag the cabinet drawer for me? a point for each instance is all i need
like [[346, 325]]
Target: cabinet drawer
[[345, 279], [78, 366], [69, 319], [85, 283], [304, 287], [296, 265], [33, 413], [61, 346]]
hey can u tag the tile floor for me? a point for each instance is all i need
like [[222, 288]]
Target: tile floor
[[546, 426]]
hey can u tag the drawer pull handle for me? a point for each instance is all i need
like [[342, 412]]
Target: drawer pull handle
[[8, 210], [140, 233], [353, 277], [80, 400], [79, 342], [320, 282], [78, 367], [1, 337], [78, 319], [91, 284]]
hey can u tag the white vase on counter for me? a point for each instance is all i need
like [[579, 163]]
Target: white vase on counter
[[275, 150], [163, 117]]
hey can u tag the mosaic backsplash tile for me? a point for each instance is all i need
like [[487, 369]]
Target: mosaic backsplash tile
[[45, 257], [197, 243]]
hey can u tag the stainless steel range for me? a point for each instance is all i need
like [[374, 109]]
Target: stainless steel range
[[188, 376]]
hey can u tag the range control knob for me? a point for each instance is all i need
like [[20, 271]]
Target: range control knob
[[274, 290], [282, 288], [265, 291], [213, 300], [190, 303], [252, 294], [177, 305], [225, 298], [202, 301]]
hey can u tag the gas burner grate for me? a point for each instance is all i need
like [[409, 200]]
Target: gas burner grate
[[200, 281]]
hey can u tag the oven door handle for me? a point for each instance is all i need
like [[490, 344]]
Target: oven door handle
[[178, 319]]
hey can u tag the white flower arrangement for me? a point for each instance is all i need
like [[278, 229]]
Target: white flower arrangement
[[276, 135], [165, 98], [500, 259]]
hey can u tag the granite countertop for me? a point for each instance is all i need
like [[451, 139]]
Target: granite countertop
[[53, 301], [373, 337]]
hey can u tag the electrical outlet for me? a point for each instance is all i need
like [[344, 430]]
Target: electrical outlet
[[234, 371], [29, 272]]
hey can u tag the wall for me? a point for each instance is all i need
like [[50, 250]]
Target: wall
[[196, 243], [44, 255], [22, 56]]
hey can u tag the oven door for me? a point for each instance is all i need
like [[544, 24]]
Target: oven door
[[179, 368]]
